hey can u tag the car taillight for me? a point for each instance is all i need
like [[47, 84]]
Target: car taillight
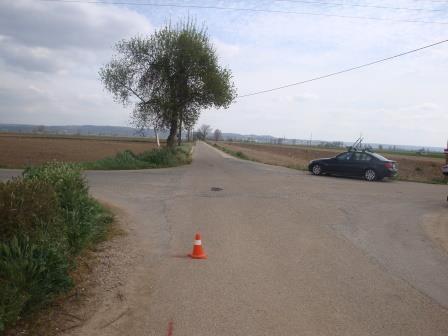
[[389, 165]]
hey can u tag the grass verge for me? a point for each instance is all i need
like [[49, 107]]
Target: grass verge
[[47, 219], [435, 180], [243, 156], [238, 154], [156, 158]]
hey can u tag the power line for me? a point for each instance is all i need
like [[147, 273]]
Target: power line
[[436, 1], [258, 10], [360, 5], [343, 71]]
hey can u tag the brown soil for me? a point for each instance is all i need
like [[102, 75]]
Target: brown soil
[[421, 169], [18, 151]]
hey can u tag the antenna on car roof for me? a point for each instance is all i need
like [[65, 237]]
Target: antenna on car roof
[[357, 146]]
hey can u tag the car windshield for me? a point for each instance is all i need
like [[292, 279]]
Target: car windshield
[[379, 157]]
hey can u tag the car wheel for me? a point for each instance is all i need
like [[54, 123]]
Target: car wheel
[[316, 169], [370, 175]]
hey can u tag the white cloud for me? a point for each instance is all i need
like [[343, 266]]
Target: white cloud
[[50, 54]]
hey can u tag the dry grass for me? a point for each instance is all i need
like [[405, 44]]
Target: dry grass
[[412, 168], [18, 151]]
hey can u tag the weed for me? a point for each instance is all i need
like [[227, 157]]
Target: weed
[[66, 179], [440, 180], [31, 275], [47, 219], [156, 158], [241, 155], [28, 207]]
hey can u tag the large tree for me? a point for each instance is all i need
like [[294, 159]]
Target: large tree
[[169, 76]]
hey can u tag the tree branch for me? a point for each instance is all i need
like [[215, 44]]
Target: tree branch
[[135, 94]]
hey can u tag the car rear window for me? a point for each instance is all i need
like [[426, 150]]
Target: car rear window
[[379, 157]]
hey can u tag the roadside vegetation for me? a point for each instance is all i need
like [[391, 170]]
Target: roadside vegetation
[[156, 158], [24, 150], [47, 219], [237, 154], [415, 168]]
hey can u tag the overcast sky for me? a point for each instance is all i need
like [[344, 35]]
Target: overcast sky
[[50, 54]]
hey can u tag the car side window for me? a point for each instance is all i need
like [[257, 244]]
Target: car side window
[[361, 157], [344, 156]]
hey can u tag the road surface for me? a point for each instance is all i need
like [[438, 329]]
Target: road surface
[[288, 253]]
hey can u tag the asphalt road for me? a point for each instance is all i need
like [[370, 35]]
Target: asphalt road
[[289, 253]]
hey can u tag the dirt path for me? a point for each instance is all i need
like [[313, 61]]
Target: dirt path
[[289, 254]]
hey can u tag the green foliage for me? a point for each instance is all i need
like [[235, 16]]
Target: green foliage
[[122, 160], [66, 179], [12, 302], [439, 180], [156, 158], [47, 218], [31, 275], [241, 155], [38, 270], [172, 74], [86, 224], [28, 207]]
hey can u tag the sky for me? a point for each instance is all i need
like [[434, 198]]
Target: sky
[[50, 54]]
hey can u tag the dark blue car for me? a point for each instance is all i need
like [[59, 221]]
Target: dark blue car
[[368, 165]]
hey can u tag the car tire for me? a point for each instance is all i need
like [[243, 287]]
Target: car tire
[[370, 175], [316, 169]]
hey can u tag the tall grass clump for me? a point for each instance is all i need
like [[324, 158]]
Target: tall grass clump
[[46, 218], [155, 158]]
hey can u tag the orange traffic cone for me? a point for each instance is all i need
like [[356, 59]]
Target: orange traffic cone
[[198, 252]]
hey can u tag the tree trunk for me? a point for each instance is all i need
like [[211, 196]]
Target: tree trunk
[[157, 137], [179, 139], [171, 141]]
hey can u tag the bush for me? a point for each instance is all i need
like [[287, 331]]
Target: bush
[[12, 301], [241, 155], [122, 160], [81, 214], [65, 178], [31, 275], [28, 207], [156, 158], [86, 224], [47, 217]]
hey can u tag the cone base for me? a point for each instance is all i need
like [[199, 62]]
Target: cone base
[[201, 256]]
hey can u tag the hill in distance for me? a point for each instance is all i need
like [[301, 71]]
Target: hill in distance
[[123, 131]]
